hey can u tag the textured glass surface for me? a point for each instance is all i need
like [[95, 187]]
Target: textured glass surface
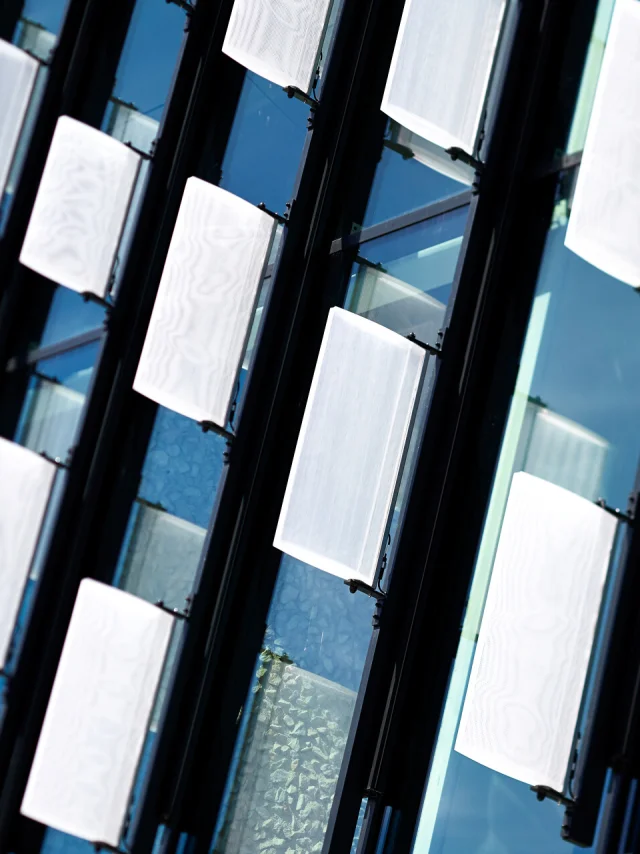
[[17, 77], [54, 403], [207, 296], [605, 214], [263, 154], [26, 480], [350, 447], [577, 398], [79, 212], [98, 713], [280, 42], [530, 666], [441, 67], [294, 741]]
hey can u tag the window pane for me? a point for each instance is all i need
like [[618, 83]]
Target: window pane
[[573, 421], [404, 181], [265, 145], [46, 14], [70, 315], [54, 403], [403, 280]]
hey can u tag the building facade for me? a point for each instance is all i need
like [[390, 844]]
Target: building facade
[[296, 713]]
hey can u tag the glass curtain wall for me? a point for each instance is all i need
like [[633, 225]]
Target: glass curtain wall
[[573, 421]]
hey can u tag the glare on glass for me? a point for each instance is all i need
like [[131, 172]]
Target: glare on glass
[[350, 448], [18, 73], [26, 480], [279, 41], [98, 714], [208, 293], [530, 666], [441, 67], [80, 209], [605, 217]]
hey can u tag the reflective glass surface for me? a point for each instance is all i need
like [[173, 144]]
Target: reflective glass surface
[[46, 14], [403, 280], [54, 403], [70, 315], [404, 181], [573, 421], [265, 146]]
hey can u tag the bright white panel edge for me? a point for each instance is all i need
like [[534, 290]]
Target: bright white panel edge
[[557, 523], [420, 124], [25, 488], [15, 103], [263, 229], [605, 216], [274, 72], [73, 240], [298, 550], [98, 714]]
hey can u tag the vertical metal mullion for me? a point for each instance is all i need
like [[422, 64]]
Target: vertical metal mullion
[[398, 721], [86, 499]]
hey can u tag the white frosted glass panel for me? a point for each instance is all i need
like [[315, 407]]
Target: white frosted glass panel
[[441, 68], [350, 447], [79, 212], [537, 631], [279, 41], [26, 480], [17, 77], [208, 292], [98, 714], [605, 217]]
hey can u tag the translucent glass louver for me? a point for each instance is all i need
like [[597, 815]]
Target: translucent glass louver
[[208, 293], [530, 665], [80, 209], [350, 448], [98, 714], [18, 73], [605, 217], [441, 67], [26, 480], [278, 40]]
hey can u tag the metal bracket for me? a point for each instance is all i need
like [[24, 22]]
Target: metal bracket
[[278, 217], [210, 427], [463, 157], [145, 155], [175, 612], [188, 7], [357, 586], [104, 846], [434, 349], [61, 464], [543, 792], [627, 518], [88, 296], [294, 92]]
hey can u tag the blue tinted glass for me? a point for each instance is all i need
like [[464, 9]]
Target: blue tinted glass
[[403, 183], [49, 14], [70, 315], [266, 143], [149, 56], [573, 421]]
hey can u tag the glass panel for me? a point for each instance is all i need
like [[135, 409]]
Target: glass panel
[[590, 75], [46, 15], [403, 280], [70, 315], [573, 421], [54, 402], [145, 72], [263, 154], [297, 718], [405, 179]]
